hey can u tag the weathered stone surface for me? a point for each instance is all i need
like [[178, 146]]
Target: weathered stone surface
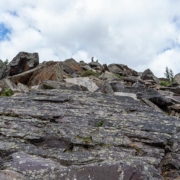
[[122, 70], [11, 175], [48, 71], [23, 62], [64, 134], [148, 75], [105, 88], [96, 80], [87, 67], [175, 107], [149, 103], [147, 93], [95, 64], [117, 86], [83, 81], [24, 77], [133, 79], [22, 88], [61, 85], [108, 76], [132, 95], [8, 84], [138, 85], [175, 90], [177, 78], [70, 66]]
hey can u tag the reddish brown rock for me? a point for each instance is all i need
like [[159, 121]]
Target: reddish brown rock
[[49, 71], [70, 66], [24, 77]]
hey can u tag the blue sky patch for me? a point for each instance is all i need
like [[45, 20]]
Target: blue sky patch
[[4, 32], [176, 21], [13, 13]]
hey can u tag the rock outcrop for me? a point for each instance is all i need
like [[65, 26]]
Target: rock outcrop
[[148, 75], [122, 70], [23, 62], [111, 124], [63, 134]]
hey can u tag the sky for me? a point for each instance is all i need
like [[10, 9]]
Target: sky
[[141, 34]]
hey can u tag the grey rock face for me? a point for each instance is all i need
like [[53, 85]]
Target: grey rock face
[[63, 134], [108, 76], [83, 81], [23, 62], [61, 85], [177, 78], [70, 66], [148, 75], [143, 92], [122, 70], [105, 88]]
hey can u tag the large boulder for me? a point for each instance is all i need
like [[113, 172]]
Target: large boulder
[[122, 70], [175, 90], [177, 78], [23, 62], [48, 84], [70, 66], [108, 76], [8, 84], [83, 81], [148, 75], [133, 79], [96, 66], [143, 92], [24, 77], [49, 71], [105, 88]]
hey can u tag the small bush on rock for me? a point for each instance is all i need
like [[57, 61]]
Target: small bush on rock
[[7, 92], [164, 83], [89, 73], [119, 76]]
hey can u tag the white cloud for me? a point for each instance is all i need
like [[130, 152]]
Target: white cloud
[[141, 34]]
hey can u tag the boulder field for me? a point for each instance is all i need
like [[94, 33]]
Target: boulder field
[[86, 121]]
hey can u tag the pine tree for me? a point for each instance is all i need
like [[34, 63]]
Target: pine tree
[[169, 74], [6, 62]]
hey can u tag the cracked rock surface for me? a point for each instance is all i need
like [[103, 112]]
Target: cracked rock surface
[[68, 135]]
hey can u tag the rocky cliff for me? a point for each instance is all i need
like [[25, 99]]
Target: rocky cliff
[[112, 124]]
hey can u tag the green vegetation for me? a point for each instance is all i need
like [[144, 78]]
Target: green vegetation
[[85, 139], [6, 62], [100, 124], [164, 83], [169, 75], [137, 149], [119, 76], [89, 73], [7, 92]]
